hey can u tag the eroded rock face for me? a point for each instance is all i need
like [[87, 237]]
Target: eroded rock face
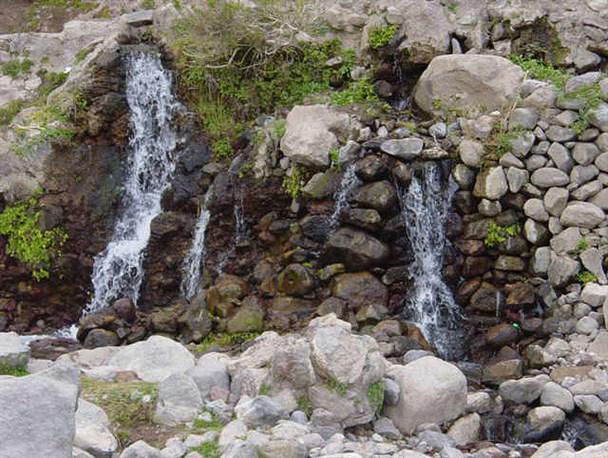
[[432, 391], [467, 82]]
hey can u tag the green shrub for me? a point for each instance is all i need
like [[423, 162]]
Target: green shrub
[[291, 183], [355, 92], [375, 396], [15, 371], [16, 67], [221, 340], [497, 234], [586, 277], [12, 109], [581, 246], [540, 70], [379, 36], [26, 242]]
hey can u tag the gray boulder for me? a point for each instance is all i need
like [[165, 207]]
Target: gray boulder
[[466, 82], [179, 400], [405, 148], [140, 449], [260, 411], [93, 432], [582, 214], [548, 177], [432, 391], [153, 360], [211, 370], [491, 184], [554, 395], [13, 352], [37, 413], [523, 391]]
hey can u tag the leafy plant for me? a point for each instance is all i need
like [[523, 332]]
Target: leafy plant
[[15, 371], [586, 277], [291, 183], [540, 70], [355, 92], [497, 234], [264, 389], [581, 246], [50, 81], [375, 396], [380, 36], [591, 95], [222, 149], [304, 405], [26, 242], [210, 425], [16, 67]]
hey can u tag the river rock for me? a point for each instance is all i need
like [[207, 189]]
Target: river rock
[[93, 432], [594, 294], [471, 152], [554, 395], [179, 400], [535, 209], [599, 117], [371, 168], [562, 270], [466, 429], [13, 351], [466, 82], [154, 359], [517, 178], [296, 280], [431, 391], [545, 423], [582, 214], [491, 184], [555, 200], [311, 132], [356, 249], [37, 413], [260, 411], [141, 449], [403, 148], [561, 157], [523, 118], [548, 177], [523, 391], [211, 370]]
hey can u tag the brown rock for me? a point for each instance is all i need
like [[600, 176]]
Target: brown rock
[[521, 294], [467, 288], [296, 280], [475, 266], [498, 372], [510, 263], [101, 338], [476, 230], [471, 247], [500, 335], [487, 298], [359, 289], [125, 309]]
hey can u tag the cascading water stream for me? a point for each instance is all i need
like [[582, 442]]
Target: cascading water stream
[[191, 266], [348, 183], [118, 270], [424, 208]]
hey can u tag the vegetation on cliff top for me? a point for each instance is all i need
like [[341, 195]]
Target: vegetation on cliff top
[[235, 62]]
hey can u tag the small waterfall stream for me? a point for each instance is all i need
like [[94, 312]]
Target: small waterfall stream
[[118, 270], [191, 266], [348, 184], [424, 207]]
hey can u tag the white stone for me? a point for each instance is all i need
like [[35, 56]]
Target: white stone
[[93, 432], [13, 351], [179, 400]]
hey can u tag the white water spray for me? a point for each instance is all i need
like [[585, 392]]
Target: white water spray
[[118, 270], [348, 183], [424, 208], [191, 267]]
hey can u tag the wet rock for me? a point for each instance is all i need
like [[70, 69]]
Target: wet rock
[[315, 227], [359, 289], [225, 293], [501, 335], [464, 176], [101, 338], [403, 173], [248, 318], [296, 280], [545, 423], [431, 391], [355, 249], [487, 298], [321, 185], [510, 263], [379, 195], [450, 79], [365, 218], [124, 309], [371, 168]]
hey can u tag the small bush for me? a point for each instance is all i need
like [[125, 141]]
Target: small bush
[[540, 70], [15, 371], [581, 246], [16, 67], [26, 242], [586, 277], [375, 396], [380, 36], [355, 92], [12, 109], [264, 390], [291, 183]]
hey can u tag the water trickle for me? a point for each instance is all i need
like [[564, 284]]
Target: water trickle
[[191, 266], [424, 208], [118, 270], [348, 184], [240, 226]]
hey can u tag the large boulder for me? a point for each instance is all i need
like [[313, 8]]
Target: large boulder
[[37, 413], [432, 391], [469, 81], [13, 351], [211, 370], [154, 359], [356, 249], [93, 433], [359, 289], [179, 400], [312, 132]]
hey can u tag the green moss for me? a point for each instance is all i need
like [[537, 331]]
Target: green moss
[[222, 149], [122, 402], [452, 7], [208, 425], [304, 405], [15, 371], [222, 340], [380, 35], [26, 242], [292, 183], [497, 234], [84, 52], [16, 67], [581, 246], [147, 5], [375, 396], [208, 449], [339, 388], [10, 110], [50, 81], [586, 277], [264, 390], [591, 95]]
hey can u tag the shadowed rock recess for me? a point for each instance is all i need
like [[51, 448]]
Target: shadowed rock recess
[[276, 229]]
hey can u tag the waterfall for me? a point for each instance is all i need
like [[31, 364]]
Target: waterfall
[[191, 267], [348, 183], [118, 270], [424, 208]]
